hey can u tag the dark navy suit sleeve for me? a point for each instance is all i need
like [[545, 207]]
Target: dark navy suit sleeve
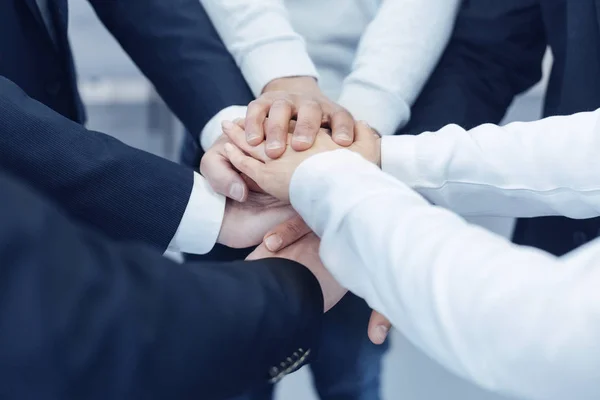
[[83, 317], [176, 46], [127, 193], [494, 54]]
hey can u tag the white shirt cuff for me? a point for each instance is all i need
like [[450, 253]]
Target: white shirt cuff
[[320, 186], [274, 60], [212, 130], [400, 159], [202, 219], [383, 110]]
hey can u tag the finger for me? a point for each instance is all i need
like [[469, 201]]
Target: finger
[[259, 253], [255, 118], [245, 164], [241, 122], [363, 132], [221, 176], [308, 123], [286, 234], [292, 126], [379, 327], [277, 126], [342, 127], [237, 137]]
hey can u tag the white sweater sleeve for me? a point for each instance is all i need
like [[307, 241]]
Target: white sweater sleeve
[[261, 39], [525, 169], [396, 55], [511, 319]]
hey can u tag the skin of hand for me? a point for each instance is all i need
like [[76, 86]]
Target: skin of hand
[[379, 327], [220, 174], [245, 224], [274, 176], [289, 233], [297, 98], [306, 252]]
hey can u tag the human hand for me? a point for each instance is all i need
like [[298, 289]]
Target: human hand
[[245, 224], [274, 176], [286, 233], [300, 98], [379, 327], [306, 252], [290, 232], [220, 174]]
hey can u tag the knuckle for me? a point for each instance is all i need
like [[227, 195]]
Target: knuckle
[[202, 167], [281, 104], [256, 103], [205, 163], [276, 94], [275, 128], [307, 124], [294, 228], [312, 105], [340, 114], [255, 109]]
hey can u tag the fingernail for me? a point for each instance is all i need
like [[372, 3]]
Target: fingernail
[[227, 125], [302, 139], [381, 332], [274, 145], [365, 123], [344, 137], [229, 148], [236, 191], [251, 137], [273, 243]]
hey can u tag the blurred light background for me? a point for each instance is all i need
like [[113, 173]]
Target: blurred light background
[[122, 103]]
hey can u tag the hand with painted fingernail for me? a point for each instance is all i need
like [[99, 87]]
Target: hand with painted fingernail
[[299, 98]]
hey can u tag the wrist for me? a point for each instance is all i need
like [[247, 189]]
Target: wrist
[[293, 84]]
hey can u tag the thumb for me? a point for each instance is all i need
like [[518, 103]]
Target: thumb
[[379, 327], [241, 122], [363, 132], [222, 177], [286, 234]]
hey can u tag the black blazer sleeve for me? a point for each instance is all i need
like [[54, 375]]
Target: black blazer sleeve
[[86, 318], [176, 46], [494, 54], [127, 193]]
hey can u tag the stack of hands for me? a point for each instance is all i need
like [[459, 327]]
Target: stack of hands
[[253, 162]]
